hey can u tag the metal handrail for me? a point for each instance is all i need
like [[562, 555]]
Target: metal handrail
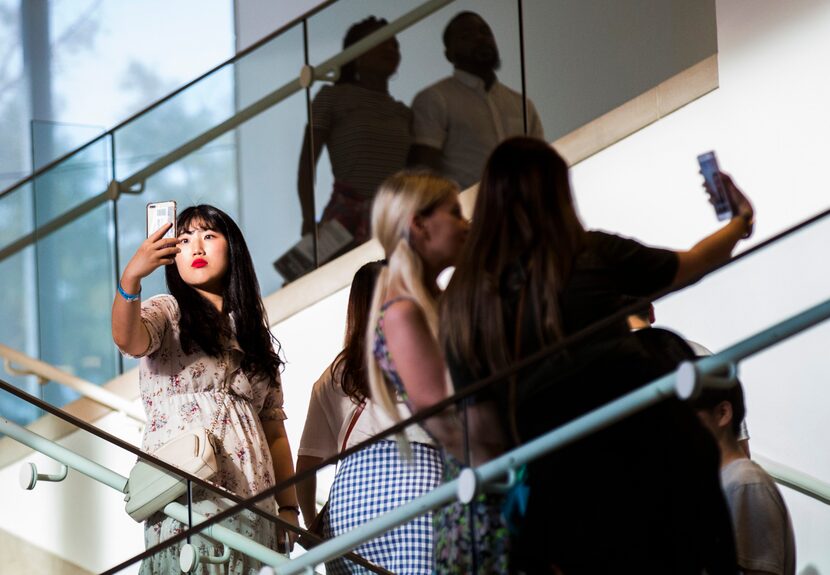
[[118, 482], [18, 363], [704, 373], [325, 70], [159, 463], [796, 480], [677, 383]]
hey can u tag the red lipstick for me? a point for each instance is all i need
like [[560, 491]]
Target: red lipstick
[[198, 263]]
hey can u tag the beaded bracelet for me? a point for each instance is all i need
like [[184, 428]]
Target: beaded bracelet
[[294, 508], [128, 296]]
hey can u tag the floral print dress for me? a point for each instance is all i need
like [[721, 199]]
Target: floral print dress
[[187, 391], [466, 539]]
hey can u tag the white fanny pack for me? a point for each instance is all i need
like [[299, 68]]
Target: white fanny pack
[[150, 488]]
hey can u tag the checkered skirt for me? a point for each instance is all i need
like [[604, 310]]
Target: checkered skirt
[[376, 480]]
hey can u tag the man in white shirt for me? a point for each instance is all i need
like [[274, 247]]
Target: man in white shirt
[[459, 120], [763, 530]]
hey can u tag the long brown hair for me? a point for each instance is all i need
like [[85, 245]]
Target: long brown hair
[[202, 326], [350, 364], [524, 214]]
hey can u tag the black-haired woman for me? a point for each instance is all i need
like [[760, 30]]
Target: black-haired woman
[[643, 495], [208, 356], [366, 132], [373, 480]]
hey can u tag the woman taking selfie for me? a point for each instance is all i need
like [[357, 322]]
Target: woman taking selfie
[[417, 219], [208, 362], [643, 494]]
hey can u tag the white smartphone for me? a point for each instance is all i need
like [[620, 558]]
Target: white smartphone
[[160, 213]]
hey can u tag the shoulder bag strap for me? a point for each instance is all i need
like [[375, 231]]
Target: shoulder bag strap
[[352, 423], [219, 416]]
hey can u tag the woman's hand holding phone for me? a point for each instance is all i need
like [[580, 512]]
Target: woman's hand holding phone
[[154, 252], [741, 206]]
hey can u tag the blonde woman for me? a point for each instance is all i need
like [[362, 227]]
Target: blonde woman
[[417, 219]]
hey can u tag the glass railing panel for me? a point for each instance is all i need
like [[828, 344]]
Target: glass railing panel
[[72, 181], [17, 213], [76, 279], [368, 483], [208, 102], [783, 385], [638, 47], [364, 130], [19, 327], [51, 140], [811, 525], [160, 130], [270, 212], [269, 66]]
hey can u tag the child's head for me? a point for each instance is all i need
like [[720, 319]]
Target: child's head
[[722, 411]]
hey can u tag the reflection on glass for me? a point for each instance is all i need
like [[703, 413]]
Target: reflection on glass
[[576, 75], [366, 134], [459, 120]]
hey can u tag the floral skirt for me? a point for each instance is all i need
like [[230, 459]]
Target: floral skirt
[[470, 539]]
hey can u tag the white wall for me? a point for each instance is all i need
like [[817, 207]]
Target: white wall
[[768, 122]]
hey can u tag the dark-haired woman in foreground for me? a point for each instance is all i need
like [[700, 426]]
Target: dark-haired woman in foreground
[[642, 496], [207, 355]]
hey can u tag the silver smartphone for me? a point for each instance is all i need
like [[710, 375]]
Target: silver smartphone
[[714, 186], [160, 213]]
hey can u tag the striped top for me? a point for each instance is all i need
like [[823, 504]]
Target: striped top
[[366, 133]]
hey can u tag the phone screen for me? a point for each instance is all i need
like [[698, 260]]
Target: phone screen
[[159, 214], [714, 186]]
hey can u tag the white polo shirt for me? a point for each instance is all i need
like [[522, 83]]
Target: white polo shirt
[[458, 116]]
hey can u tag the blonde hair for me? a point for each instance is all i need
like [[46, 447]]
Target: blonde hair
[[401, 198]]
